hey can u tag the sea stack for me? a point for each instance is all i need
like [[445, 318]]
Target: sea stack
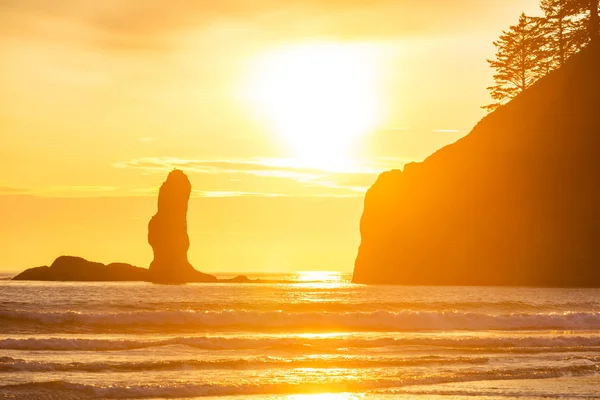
[[69, 268], [516, 202], [167, 234]]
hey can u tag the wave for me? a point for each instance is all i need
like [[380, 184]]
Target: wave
[[489, 344], [334, 306], [9, 364], [273, 320], [179, 390]]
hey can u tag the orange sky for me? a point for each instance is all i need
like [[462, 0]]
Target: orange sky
[[100, 99]]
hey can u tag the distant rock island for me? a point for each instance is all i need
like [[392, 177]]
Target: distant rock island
[[167, 234], [68, 268], [515, 202]]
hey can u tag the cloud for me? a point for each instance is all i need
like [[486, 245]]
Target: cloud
[[63, 191], [76, 191], [262, 177], [231, 178], [273, 167], [204, 193], [446, 131], [12, 190], [85, 188], [150, 23]]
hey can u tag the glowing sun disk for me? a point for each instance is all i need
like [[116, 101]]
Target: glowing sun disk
[[319, 98]]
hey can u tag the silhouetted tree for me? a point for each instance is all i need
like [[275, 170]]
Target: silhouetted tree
[[521, 59], [594, 20], [565, 29], [590, 8]]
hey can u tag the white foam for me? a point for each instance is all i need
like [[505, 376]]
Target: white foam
[[175, 390], [509, 343], [274, 320], [8, 364]]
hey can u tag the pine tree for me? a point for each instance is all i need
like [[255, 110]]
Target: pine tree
[[594, 20], [588, 10], [521, 59], [591, 9], [565, 29]]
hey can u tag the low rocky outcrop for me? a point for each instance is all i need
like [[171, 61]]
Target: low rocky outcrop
[[68, 268], [239, 279], [167, 234], [515, 202]]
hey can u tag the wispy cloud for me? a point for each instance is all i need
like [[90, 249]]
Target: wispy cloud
[[446, 130], [399, 129], [232, 178], [263, 177], [204, 193], [75, 191], [12, 190], [65, 191], [150, 24], [84, 188], [278, 167]]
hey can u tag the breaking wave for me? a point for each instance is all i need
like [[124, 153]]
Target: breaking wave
[[273, 320], [9, 364], [178, 390], [512, 343]]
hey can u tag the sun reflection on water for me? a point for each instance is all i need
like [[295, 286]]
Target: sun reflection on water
[[324, 396], [320, 276]]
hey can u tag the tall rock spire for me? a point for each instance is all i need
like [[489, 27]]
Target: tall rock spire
[[167, 233]]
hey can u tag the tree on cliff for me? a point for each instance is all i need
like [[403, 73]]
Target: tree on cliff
[[590, 9], [565, 29], [521, 59], [594, 20], [535, 46]]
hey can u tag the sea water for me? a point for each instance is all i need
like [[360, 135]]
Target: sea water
[[317, 336]]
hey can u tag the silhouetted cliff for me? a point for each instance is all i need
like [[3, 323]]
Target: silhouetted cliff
[[67, 268], [515, 202], [167, 234]]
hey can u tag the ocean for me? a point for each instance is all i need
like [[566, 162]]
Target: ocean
[[316, 337]]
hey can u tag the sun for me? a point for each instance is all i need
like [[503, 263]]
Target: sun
[[319, 98]]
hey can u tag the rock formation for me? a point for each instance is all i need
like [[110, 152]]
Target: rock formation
[[67, 268], [167, 234], [515, 202]]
